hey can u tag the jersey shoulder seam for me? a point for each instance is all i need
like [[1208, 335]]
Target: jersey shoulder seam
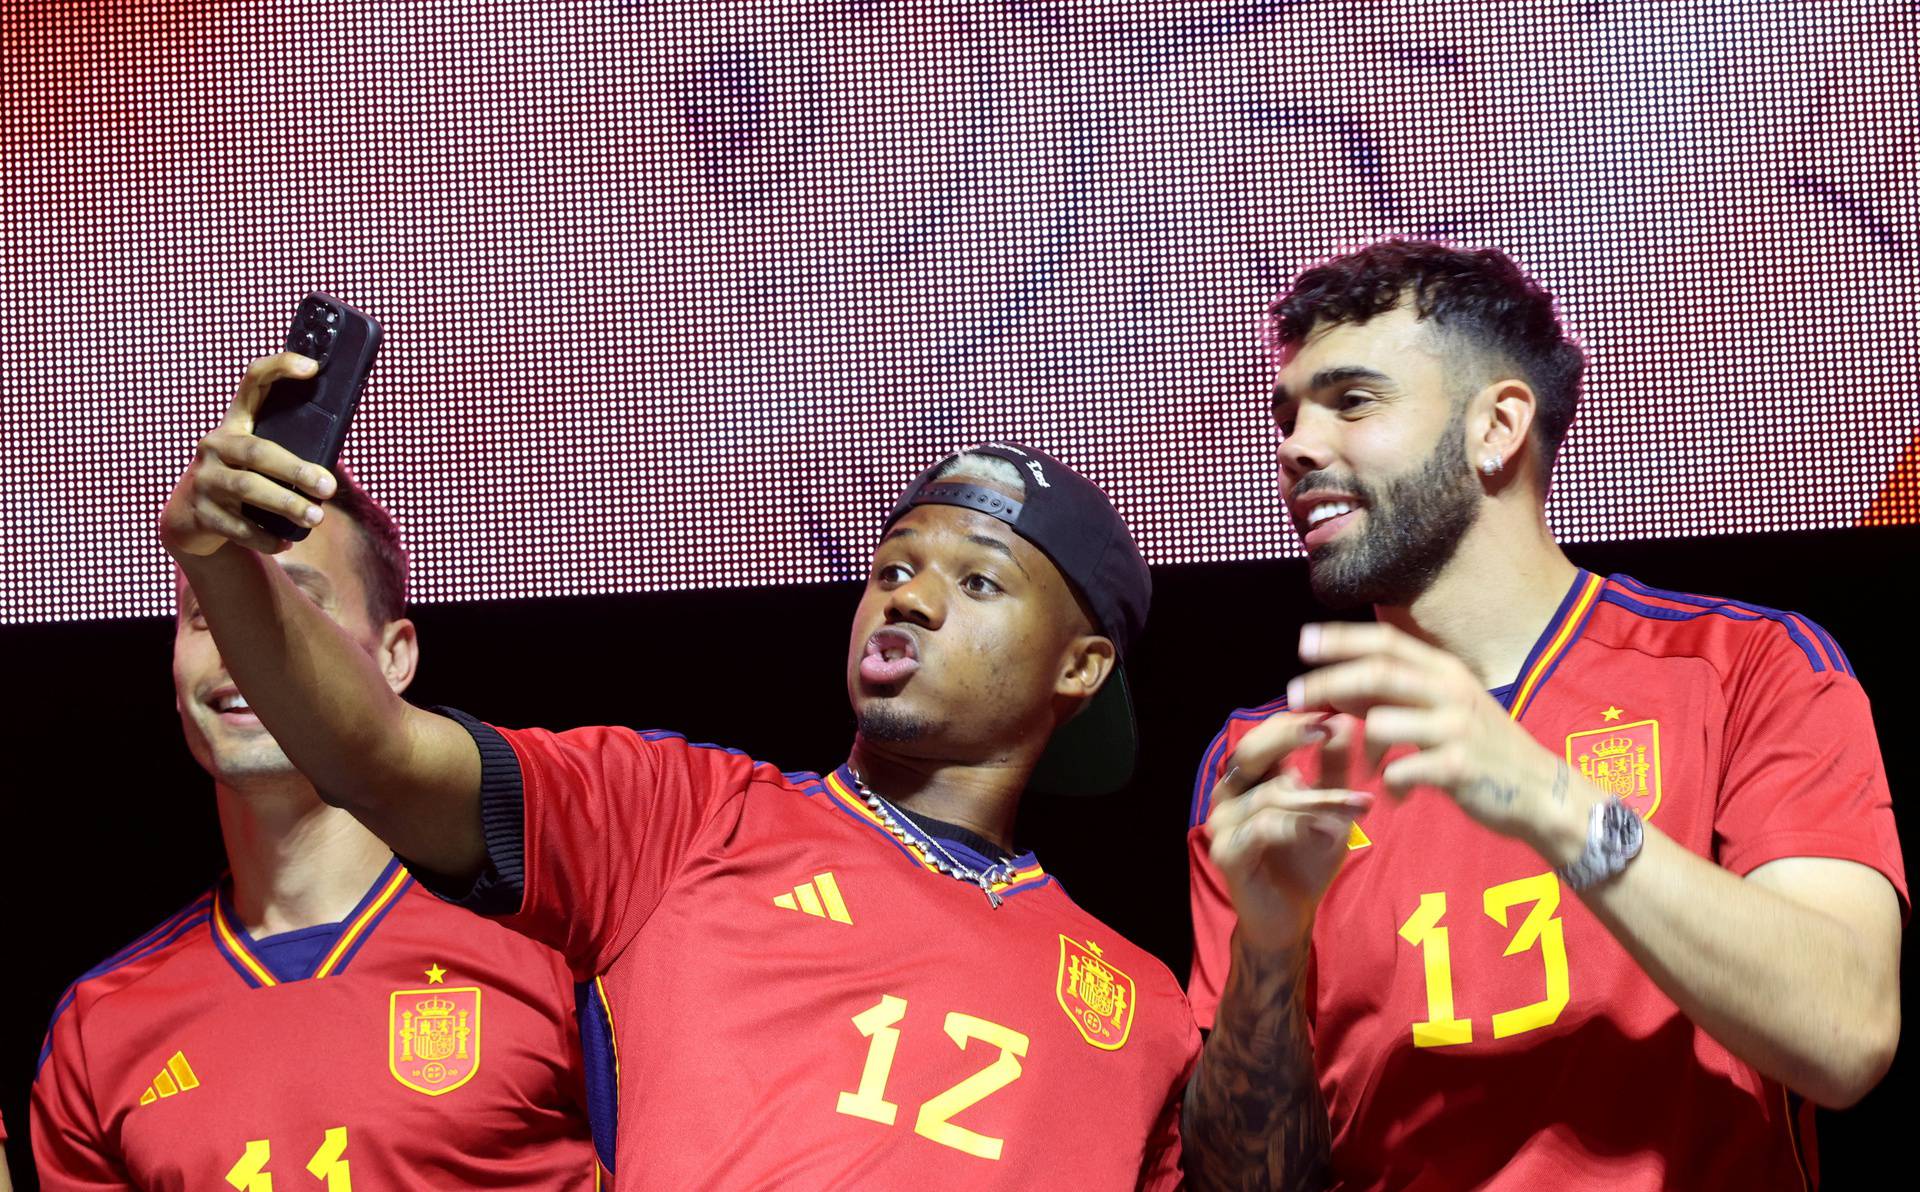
[[154, 942], [1200, 806], [1814, 643], [710, 814], [1259, 711], [167, 937]]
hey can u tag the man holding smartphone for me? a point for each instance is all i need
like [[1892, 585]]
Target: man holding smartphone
[[841, 980], [315, 1015]]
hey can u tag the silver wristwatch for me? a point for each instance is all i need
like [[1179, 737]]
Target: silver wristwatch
[[1614, 835]]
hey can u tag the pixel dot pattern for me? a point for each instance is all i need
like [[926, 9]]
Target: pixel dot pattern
[[679, 296]]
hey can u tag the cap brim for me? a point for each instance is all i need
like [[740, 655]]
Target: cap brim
[[1094, 753]]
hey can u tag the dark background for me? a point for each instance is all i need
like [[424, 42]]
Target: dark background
[[110, 826]]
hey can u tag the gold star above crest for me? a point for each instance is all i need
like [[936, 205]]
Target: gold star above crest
[[435, 975], [1612, 713], [1093, 948]]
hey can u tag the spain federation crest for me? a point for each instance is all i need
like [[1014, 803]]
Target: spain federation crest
[[433, 1038], [1095, 995], [1622, 760]]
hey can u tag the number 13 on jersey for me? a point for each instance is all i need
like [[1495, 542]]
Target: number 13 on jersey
[[1542, 928]]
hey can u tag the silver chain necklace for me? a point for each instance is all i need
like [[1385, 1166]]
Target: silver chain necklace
[[939, 857]]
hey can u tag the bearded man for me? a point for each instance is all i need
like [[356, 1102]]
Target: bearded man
[[1544, 879]]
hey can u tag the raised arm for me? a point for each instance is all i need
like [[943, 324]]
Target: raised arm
[[1254, 1116], [412, 777]]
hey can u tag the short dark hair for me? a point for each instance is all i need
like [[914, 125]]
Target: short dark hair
[[1479, 296], [383, 561]]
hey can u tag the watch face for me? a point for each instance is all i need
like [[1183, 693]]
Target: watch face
[[1615, 836], [1621, 828]]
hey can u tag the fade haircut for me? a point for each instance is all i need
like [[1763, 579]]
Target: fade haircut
[[383, 560], [984, 467], [1496, 316]]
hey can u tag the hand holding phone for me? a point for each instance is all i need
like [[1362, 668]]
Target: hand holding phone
[[232, 468], [309, 416]]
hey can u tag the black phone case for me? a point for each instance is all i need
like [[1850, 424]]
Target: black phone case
[[310, 417]]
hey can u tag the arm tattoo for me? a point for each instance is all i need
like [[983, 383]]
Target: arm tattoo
[[1254, 1118], [1560, 776], [1500, 792]]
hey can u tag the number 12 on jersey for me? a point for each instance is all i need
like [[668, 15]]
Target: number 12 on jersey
[[1541, 928], [880, 1024]]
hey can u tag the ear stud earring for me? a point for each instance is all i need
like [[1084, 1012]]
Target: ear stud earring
[[1490, 466]]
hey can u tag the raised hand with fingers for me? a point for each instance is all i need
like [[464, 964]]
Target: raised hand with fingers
[[1278, 838], [1450, 734], [233, 467]]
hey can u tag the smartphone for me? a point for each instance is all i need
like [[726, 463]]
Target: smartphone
[[310, 417]]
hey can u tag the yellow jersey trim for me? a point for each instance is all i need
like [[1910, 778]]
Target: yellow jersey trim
[[858, 806], [361, 921], [239, 950], [1588, 595]]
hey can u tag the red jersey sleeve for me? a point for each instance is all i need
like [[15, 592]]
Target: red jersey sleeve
[[1803, 774], [1213, 922], [70, 1149], [1160, 1170], [588, 827], [1213, 916]]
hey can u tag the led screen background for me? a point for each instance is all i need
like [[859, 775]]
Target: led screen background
[[680, 294]]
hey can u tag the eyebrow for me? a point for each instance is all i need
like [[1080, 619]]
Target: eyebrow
[[1327, 378], [995, 544], [310, 578]]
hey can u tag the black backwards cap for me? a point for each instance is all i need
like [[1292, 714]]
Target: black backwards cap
[[1072, 522]]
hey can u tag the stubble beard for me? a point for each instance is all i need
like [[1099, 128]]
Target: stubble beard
[[1414, 525], [240, 760], [884, 723]]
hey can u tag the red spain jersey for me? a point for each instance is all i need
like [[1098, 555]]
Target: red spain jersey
[[794, 998], [421, 1049], [1473, 1024]]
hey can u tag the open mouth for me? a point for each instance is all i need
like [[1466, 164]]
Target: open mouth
[[232, 707], [889, 657], [1322, 521]]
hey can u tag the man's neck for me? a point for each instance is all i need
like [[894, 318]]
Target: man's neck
[[296, 861], [1495, 597], [984, 799]]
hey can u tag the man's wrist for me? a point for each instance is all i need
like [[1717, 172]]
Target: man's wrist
[[1560, 833], [190, 563], [1270, 951]]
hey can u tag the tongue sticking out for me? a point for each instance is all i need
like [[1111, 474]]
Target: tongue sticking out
[[889, 659]]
